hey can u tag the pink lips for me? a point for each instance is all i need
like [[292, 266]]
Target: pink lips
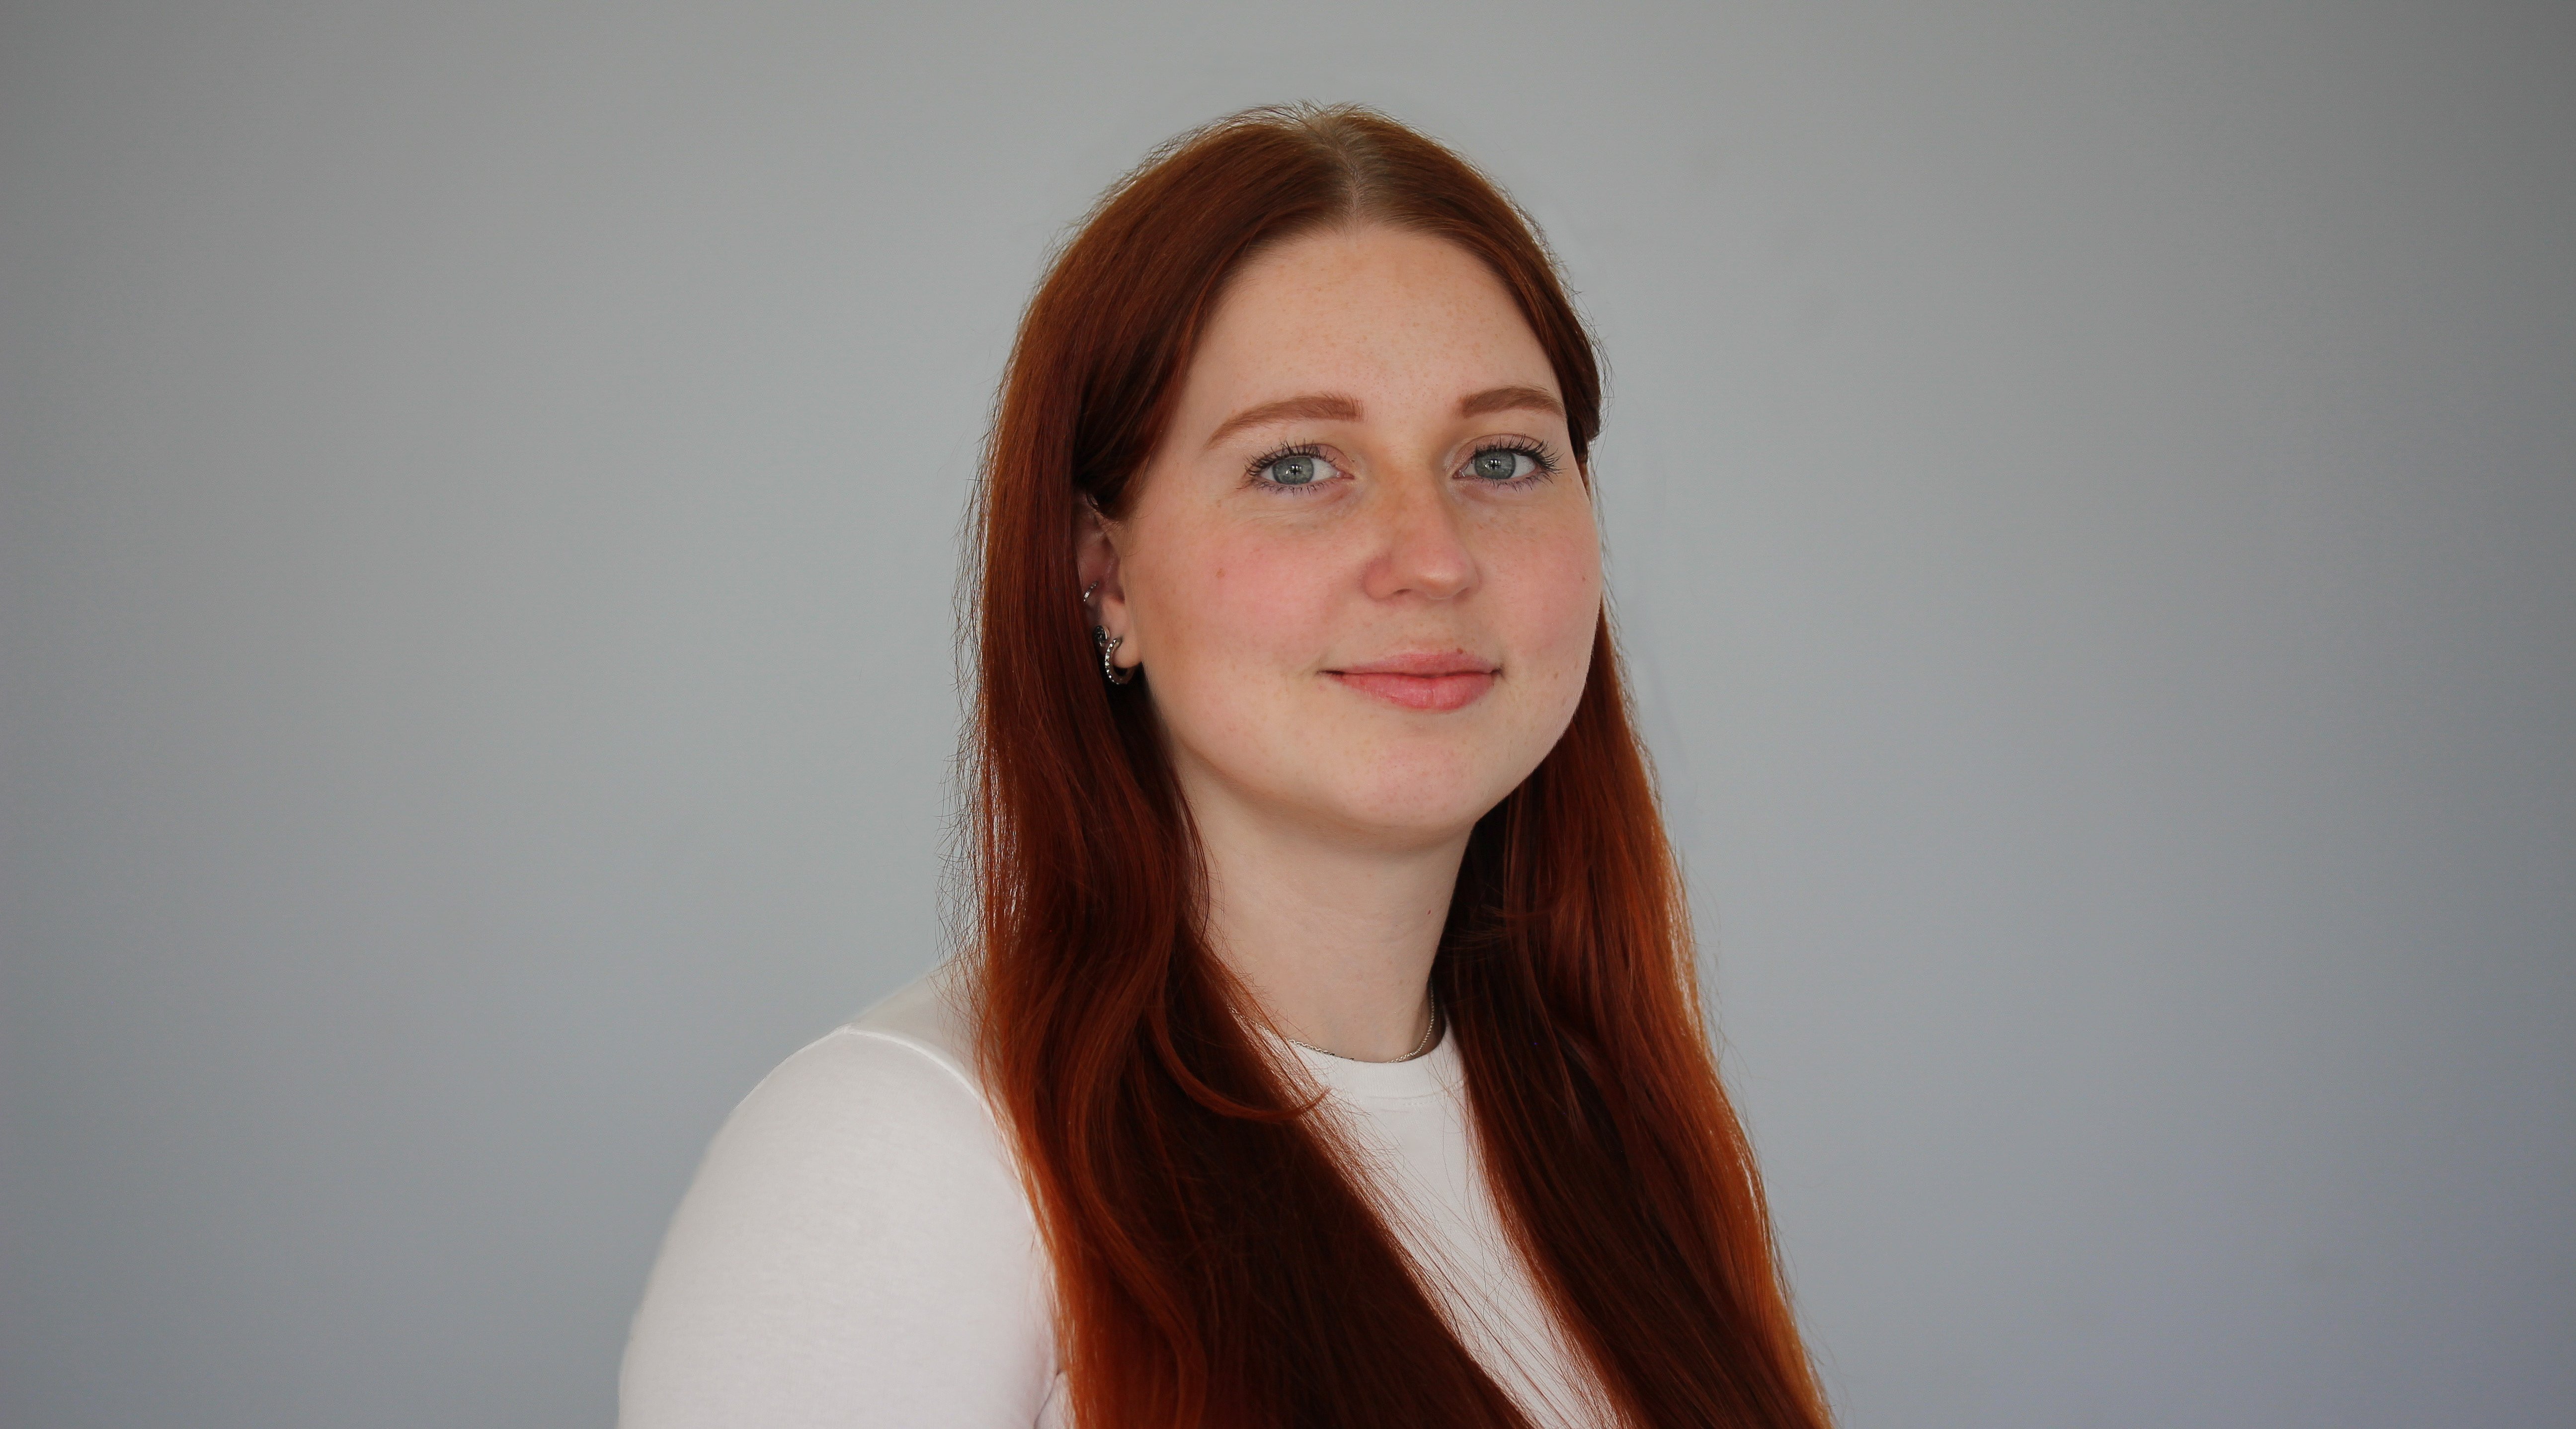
[[1446, 680]]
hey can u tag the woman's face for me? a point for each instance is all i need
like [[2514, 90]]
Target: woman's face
[[1361, 570]]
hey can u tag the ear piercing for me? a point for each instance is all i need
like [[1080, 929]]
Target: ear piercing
[[1108, 645]]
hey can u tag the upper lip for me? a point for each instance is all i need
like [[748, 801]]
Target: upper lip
[[1424, 664]]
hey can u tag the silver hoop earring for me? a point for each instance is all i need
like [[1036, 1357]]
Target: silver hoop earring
[[1108, 644]]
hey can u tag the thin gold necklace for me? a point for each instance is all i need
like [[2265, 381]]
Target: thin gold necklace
[[1430, 1029]]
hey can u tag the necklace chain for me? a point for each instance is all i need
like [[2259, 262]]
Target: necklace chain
[[1430, 1030]]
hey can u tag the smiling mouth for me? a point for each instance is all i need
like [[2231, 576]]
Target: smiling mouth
[[1447, 681]]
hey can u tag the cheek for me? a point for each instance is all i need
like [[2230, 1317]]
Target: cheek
[[1229, 600], [1551, 599]]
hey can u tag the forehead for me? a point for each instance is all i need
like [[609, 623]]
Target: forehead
[[1363, 308]]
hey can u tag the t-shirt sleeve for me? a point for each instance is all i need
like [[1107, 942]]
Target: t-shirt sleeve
[[855, 1251]]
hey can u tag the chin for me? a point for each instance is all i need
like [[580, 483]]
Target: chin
[[1408, 808]]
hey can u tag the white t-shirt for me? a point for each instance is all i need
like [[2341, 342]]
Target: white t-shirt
[[857, 1248]]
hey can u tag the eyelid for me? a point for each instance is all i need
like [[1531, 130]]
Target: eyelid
[[1320, 452], [1540, 453], [1537, 451]]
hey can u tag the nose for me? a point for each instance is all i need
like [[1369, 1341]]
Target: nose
[[1422, 544]]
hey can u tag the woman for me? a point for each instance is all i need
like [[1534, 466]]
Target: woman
[[1328, 1049]]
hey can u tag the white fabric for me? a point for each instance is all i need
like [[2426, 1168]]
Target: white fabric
[[857, 1249]]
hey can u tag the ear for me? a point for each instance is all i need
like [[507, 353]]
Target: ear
[[1096, 540]]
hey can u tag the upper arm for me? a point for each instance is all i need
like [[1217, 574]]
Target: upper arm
[[854, 1251]]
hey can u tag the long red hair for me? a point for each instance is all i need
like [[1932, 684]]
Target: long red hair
[[1216, 1263]]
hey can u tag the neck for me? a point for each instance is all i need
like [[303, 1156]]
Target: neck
[[1333, 936]]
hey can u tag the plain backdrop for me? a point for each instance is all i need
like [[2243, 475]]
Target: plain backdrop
[[2090, 494]]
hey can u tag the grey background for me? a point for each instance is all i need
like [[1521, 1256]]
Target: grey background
[[2089, 491]]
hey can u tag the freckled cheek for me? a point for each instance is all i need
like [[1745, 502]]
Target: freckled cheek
[[1245, 603], [1555, 605]]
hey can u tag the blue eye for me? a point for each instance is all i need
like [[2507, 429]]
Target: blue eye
[[1295, 469], [1503, 464]]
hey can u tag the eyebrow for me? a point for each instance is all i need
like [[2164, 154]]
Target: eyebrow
[[1510, 399], [1313, 407], [1334, 407]]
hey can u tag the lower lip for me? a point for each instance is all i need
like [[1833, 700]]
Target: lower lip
[[1420, 692]]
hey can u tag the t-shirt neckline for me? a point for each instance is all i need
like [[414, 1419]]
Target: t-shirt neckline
[[1434, 1073]]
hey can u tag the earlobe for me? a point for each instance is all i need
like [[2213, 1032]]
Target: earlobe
[[1104, 598], [1110, 670], [1107, 644]]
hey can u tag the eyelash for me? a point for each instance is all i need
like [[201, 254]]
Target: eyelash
[[1537, 452], [1261, 463]]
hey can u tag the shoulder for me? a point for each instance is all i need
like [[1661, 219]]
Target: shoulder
[[856, 1237], [894, 1088], [911, 1058], [932, 1016]]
